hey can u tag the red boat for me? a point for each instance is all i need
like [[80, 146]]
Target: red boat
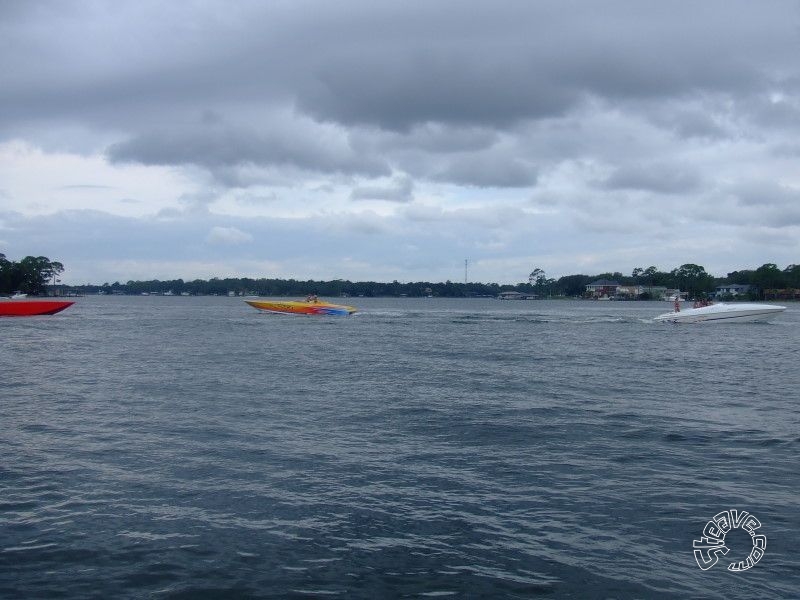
[[29, 308]]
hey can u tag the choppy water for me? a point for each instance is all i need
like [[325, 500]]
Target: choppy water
[[195, 448]]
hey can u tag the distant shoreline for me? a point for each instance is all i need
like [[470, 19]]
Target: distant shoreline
[[688, 282]]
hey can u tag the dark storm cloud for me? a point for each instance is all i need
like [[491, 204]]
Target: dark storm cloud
[[762, 193], [658, 178], [398, 92], [223, 147], [488, 170], [476, 64], [391, 66], [706, 121], [465, 93], [768, 203], [777, 112], [432, 138], [400, 190]]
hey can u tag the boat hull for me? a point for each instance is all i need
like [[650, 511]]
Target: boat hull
[[290, 307], [32, 308], [723, 313]]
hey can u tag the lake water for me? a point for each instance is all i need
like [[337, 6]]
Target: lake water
[[168, 447]]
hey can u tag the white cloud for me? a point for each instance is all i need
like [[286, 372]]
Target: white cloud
[[39, 182]]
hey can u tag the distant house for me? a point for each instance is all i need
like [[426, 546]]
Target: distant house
[[515, 296], [655, 292], [602, 288], [629, 292], [731, 289], [670, 295], [782, 294]]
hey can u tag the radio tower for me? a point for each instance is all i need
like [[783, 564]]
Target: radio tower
[[466, 265]]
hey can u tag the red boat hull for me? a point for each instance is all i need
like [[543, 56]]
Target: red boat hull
[[30, 308]]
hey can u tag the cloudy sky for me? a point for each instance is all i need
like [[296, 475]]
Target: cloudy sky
[[394, 140]]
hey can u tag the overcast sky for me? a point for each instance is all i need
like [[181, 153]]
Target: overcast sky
[[394, 140]]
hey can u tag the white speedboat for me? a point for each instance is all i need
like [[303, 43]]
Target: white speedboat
[[723, 313]]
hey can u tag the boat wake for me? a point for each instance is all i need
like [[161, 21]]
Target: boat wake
[[464, 318]]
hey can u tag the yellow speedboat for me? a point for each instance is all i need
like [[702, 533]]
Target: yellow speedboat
[[309, 307]]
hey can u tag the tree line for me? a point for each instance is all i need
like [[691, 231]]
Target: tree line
[[39, 275], [31, 275], [689, 278], [295, 287]]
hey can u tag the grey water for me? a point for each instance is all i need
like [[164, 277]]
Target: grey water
[[170, 447]]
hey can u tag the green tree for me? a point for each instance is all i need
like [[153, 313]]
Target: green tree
[[792, 274], [768, 276], [535, 275], [744, 277], [573, 285], [30, 275], [5, 274], [693, 279], [651, 274]]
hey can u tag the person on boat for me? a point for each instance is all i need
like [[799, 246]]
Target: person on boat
[[312, 298]]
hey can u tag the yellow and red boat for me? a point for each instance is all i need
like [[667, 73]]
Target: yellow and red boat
[[30, 308], [296, 307]]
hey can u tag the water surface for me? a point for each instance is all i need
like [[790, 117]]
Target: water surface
[[170, 447]]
